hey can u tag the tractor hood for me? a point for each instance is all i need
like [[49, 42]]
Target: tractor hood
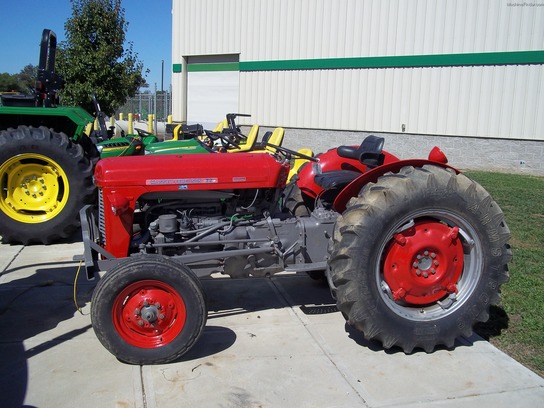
[[209, 171]]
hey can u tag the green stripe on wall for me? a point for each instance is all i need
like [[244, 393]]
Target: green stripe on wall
[[403, 61]]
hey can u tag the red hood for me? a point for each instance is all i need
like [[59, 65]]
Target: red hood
[[192, 171]]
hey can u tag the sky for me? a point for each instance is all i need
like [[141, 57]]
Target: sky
[[149, 29]]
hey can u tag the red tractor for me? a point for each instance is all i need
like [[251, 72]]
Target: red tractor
[[413, 250]]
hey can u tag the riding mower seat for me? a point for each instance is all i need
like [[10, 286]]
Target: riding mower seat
[[276, 139], [273, 137], [250, 142], [299, 162]]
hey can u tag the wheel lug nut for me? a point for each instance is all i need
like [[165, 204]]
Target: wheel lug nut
[[435, 263], [415, 264], [161, 316], [426, 253], [425, 275], [433, 271], [141, 323], [433, 255], [418, 272]]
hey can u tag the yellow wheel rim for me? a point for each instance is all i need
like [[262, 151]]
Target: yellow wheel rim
[[33, 188]]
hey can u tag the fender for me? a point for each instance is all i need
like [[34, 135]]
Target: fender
[[371, 176]]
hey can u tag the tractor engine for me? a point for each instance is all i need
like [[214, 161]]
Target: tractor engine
[[199, 211], [262, 238]]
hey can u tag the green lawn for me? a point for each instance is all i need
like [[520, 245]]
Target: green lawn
[[516, 326]]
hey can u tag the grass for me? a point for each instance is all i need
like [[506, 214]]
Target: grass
[[516, 326]]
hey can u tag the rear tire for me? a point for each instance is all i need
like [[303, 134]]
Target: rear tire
[[418, 257], [293, 202], [148, 310], [44, 181]]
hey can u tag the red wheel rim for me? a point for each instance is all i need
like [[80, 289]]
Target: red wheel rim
[[149, 314], [424, 262]]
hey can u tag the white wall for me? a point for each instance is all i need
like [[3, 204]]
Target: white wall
[[494, 101]]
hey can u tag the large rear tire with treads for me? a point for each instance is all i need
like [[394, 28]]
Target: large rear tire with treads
[[418, 257]]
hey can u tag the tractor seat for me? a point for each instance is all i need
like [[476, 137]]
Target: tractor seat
[[274, 138], [369, 153], [250, 141]]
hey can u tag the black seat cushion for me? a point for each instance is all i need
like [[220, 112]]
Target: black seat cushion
[[335, 178]]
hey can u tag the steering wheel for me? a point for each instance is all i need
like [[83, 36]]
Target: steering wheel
[[142, 132], [290, 152], [225, 138]]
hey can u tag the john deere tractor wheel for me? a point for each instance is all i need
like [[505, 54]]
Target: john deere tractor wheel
[[148, 310], [418, 257], [44, 181]]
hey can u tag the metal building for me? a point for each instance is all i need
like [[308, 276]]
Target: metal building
[[462, 68]]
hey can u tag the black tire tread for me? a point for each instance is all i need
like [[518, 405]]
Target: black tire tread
[[365, 216], [139, 268], [78, 168]]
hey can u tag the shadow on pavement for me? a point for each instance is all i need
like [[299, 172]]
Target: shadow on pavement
[[28, 307]]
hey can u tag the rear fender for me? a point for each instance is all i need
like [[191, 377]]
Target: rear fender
[[371, 176]]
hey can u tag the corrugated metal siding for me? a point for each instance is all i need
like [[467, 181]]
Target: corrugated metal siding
[[490, 101], [475, 101]]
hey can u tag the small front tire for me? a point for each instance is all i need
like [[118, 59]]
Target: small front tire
[[148, 310]]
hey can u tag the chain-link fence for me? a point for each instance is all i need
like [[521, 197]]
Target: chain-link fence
[[143, 104]]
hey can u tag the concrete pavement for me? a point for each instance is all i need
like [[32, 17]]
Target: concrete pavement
[[275, 342]]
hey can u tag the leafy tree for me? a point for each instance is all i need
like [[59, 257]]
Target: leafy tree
[[27, 77], [23, 82], [9, 83], [93, 58]]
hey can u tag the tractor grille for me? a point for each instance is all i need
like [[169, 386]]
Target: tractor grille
[[101, 220]]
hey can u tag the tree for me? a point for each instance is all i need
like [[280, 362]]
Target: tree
[[23, 82], [9, 83], [27, 77], [93, 58]]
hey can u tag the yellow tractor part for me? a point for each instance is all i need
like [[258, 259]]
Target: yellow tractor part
[[33, 188], [249, 142], [298, 162]]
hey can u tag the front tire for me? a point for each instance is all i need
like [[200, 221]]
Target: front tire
[[418, 257], [148, 310], [44, 181]]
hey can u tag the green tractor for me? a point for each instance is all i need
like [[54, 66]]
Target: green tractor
[[47, 157]]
